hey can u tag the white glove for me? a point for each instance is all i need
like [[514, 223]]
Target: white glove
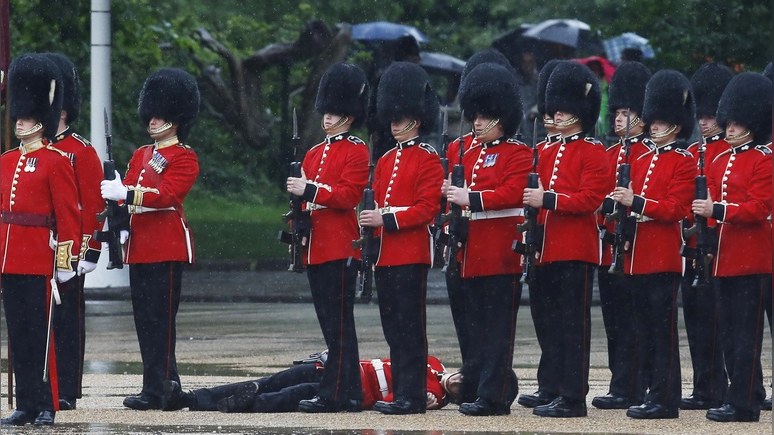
[[123, 236], [85, 267], [113, 189], [64, 275]]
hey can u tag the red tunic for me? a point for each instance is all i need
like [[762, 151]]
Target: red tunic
[[662, 180], [159, 178], [739, 182], [407, 188], [376, 381], [88, 176], [38, 186], [337, 170], [496, 175], [575, 175]]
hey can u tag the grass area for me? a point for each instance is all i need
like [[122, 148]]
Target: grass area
[[226, 229]]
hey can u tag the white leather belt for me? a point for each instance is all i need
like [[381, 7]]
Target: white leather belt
[[139, 209], [312, 206], [494, 214], [380, 376], [391, 209], [640, 217]]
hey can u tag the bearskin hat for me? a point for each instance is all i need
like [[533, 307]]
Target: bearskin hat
[[343, 90], [747, 100], [668, 98], [485, 56], [36, 91], [572, 88], [72, 85], [708, 83], [405, 91], [170, 94], [543, 76], [768, 73], [491, 90], [627, 87]]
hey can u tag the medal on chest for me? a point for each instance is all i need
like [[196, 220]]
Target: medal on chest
[[158, 162], [32, 163], [490, 160]]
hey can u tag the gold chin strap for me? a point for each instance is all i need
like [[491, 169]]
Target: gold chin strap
[[164, 127], [738, 137], [343, 120], [489, 127], [667, 132], [632, 123], [566, 123], [407, 128], [713, 130], [23, 134]]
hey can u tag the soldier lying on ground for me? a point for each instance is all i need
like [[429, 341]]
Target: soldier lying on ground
[[282, 391]]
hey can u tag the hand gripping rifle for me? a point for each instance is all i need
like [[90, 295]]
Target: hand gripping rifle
[[620, 211], [117, 217], [529, 247], [458, 222], [705, 245], [437, 227], [299, 220], [367, 243]]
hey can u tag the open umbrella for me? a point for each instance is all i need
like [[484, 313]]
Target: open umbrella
[[614, 47], [563, 31], [607, 68], [385, 31], [441, 62]]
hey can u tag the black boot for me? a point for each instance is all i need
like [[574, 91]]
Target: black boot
[[174, 398], [241, 401]]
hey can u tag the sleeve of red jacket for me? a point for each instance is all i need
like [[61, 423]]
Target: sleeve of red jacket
[[133, 168], [346, 193], [757, 205], [677, 203], [89, 177], [509, 192], [68, 216], [428, 199], [179, 178], [594, 185]]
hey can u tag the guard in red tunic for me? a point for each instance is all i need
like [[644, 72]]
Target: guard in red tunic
[[659, 197], [282, 391], [573, 181], [70, 315], [767, 71], [41, 235], [548, 376], [739, 198], [700, 304], [158, 178], [625, 98], [407, 190], [496, 170], [334, 174]]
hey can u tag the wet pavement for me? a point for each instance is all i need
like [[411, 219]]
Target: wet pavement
[[234, 326]]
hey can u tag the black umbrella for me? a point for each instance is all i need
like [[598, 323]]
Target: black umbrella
[[385, 31], [560, 31], [441, 62]]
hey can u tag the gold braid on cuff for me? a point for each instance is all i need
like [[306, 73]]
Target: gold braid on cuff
[[64, 256]]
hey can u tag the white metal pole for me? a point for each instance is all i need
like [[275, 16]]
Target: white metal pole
[[101, 100]]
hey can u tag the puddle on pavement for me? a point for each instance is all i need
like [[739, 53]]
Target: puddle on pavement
[[210, 429], [135, 368]]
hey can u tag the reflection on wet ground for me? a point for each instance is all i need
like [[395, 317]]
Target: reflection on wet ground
[[62, 429]]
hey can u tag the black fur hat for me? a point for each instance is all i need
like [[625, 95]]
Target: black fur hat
[[405, 91], [489, 55], [36, 91], [543, 76], [72, 85], [491, 90], [627, 87], [343, 90], [172, 95], [708, 83], [668, 98], [768, 73], [747, 100], [573, 88]]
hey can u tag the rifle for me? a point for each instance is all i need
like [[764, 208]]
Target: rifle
[[705, 245], [529, 247], [437, 228], [299, 220], [367, 242], [620, 212], [458, 221], [116, 216]]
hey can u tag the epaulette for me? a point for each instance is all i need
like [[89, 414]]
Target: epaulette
[[58, 151], [389, 151], [81, 139], [429, 148], [516, 142], [319, 144], [8, 151], [355, 139], [684, 152], [145, 146], [182, 145], [763, 149], [593, 140]]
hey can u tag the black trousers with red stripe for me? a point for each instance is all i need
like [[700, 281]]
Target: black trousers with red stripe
[[70, 333], [743, 304], [402, 292], [25, 301], [333, 293], [565, 321], [654, 299], [155, 299]]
